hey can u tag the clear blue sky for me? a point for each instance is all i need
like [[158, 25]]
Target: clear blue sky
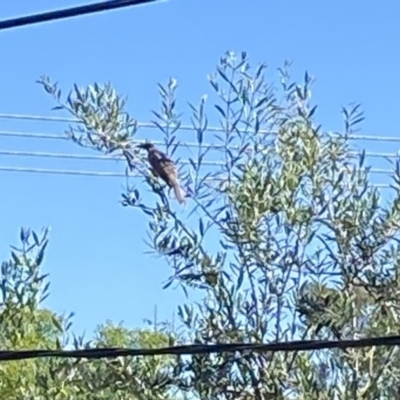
[[95, 257]]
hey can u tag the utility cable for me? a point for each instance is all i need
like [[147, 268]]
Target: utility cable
[[95, 157], [39, 154], [70, 12], [50, 171], [52, 136], [63, 172], [192, 349], [46, 136], [43, 118], [46, 118]]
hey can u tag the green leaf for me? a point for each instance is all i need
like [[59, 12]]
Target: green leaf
[[40, 255], [15, 258], [220, 110]]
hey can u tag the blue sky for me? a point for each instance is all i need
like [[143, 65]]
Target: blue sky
[[96, 257]]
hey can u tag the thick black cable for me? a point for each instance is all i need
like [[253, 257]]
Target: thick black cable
[[299, 345], [70, 12]]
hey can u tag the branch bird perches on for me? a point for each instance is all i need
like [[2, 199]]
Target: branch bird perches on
[[165, 168]]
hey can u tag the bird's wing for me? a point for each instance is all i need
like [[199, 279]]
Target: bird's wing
[[169, 168], [162, 156], [163, 166], [164, 161]]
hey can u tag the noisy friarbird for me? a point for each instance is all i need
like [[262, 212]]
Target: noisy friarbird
[[165, 168]]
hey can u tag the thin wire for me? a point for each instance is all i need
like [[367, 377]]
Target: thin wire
[[32, 135], [50, 171], [48, 136], [63, 172], [83, 157], [39, 154], [70, 12], [374, 154], [143, 124], [192, 349], [74, 120], [184, 127]]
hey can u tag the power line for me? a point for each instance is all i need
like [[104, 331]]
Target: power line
[[51, 171], [70, 12], [45, 118], [192, 349], [52, 136], [46, 136], [63, 172], [38, 154], [93, 157], [187, 127]]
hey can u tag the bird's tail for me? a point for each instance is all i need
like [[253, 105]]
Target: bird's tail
[[179, 193]]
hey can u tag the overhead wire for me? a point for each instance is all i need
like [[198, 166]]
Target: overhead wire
[[74, 120], [84, 156], [39, 135], [52, 171], [52, 136], [47, 136], [192, 349], [150, 125], [70, 12], [17, 153]]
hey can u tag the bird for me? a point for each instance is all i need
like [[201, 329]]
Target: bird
[[165, 168]]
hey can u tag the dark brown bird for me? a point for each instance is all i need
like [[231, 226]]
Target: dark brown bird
[[165, 168]]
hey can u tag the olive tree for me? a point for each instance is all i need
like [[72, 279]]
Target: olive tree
[[284, 238], [26, 324]]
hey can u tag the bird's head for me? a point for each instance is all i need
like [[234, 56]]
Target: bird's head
[[147, 146]]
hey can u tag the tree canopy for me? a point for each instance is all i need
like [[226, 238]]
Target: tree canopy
[[283, 238]]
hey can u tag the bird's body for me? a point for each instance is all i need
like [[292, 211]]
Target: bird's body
[[164, 167]]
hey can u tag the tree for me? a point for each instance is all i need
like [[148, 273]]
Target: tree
[[288, 239], [25, 324]]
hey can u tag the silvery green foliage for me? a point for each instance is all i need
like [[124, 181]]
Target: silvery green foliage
[[285, 239], [27, 324]]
